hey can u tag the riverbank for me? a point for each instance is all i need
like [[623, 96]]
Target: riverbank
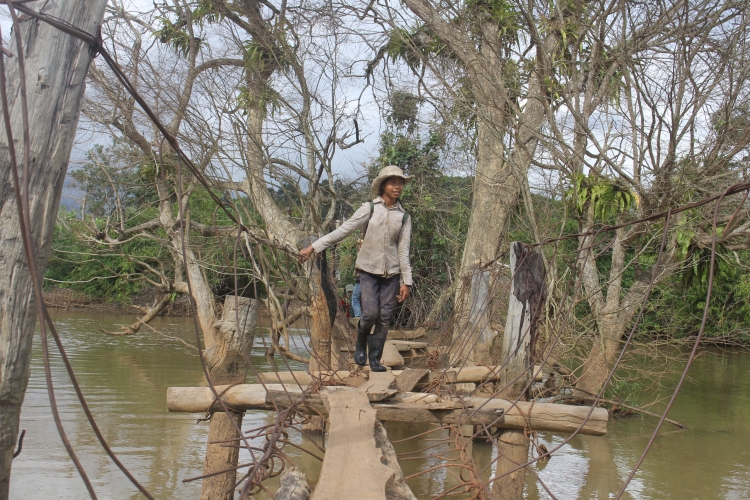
[[72, 300], [64, 298]]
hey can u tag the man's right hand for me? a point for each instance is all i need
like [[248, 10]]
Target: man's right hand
[[305, 253]]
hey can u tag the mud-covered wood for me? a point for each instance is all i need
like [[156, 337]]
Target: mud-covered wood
[[293, 485], [56, 67]]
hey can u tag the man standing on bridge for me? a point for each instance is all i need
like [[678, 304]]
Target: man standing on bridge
[[383, 260]]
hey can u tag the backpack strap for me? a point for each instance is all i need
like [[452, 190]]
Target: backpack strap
[[372, 210], [367, 224]]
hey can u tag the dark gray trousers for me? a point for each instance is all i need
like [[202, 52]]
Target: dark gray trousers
[[378, 302]]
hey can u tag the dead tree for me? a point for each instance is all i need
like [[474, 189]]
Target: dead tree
[[56, 66]]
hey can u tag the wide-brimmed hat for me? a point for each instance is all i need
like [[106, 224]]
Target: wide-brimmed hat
[[386, 172]]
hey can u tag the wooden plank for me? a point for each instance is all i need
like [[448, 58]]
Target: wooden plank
[[446, 377], [408, 345], [380, 386], [391, 357], [407, 380], [305, 378], [407, 334], [351, 433]]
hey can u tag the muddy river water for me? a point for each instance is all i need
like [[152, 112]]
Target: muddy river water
[[126, 378]]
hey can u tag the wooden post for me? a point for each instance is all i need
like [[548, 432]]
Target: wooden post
[[528, 293], [56, 66], [227, 365], [476, 345]]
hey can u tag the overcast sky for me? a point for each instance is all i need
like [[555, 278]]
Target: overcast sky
[[348, 163]]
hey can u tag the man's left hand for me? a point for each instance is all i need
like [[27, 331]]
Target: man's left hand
[[403, 293]]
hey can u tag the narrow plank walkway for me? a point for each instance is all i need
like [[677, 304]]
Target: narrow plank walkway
[[359, 461]]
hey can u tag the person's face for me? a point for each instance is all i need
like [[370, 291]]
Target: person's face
[[393, 187]]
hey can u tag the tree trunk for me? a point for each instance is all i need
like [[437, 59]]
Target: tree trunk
[[602, 356], [323, 308], [227, 366], [528, 293], [56, 66], [495, 192], [277, 225], [497, 186]]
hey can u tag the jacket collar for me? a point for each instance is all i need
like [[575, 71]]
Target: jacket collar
[[380, 200]]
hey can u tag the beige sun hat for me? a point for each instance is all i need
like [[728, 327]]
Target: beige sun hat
[[389, 171]]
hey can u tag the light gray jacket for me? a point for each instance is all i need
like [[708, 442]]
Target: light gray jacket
[[385, 249]]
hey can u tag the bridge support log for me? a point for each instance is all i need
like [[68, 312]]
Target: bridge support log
[[527, 298], [475, 374], [407, 407]]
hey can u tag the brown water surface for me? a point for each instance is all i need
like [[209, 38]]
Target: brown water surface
[[125, 380]]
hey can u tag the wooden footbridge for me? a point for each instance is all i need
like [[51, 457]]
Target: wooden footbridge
[[359, 461]]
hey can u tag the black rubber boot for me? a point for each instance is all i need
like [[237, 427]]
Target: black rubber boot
[[360, 353], [375, 348]]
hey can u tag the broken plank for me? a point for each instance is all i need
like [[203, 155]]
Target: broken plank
[[380, 386], [391, 357], [407, 380]]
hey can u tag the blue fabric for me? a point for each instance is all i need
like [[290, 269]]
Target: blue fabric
[[356, 301]]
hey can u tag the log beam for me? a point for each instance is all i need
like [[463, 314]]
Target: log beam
[[405, 407], [474, 374]]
